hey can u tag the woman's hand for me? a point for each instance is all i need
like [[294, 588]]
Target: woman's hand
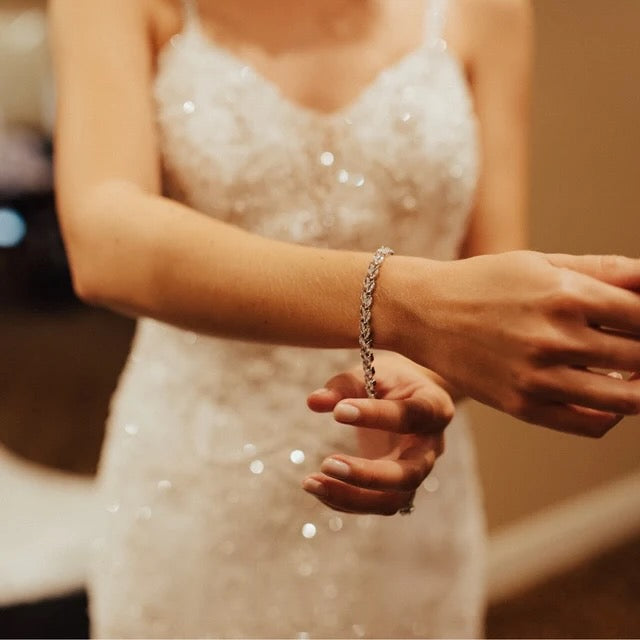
[[400, 436], [517, 331], [521, 332]]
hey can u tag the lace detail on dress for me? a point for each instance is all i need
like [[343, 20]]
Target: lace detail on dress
[[339, 180], [207, 530]]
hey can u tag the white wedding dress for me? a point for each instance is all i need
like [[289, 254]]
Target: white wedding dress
[[207, 532]]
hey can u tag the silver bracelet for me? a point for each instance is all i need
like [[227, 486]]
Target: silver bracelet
[[366, 337]]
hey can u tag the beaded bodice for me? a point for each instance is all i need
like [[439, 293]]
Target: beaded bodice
[[396, 166]]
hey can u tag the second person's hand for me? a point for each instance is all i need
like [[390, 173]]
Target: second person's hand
[[400, 435]]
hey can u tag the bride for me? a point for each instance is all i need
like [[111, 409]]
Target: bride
[[225, 171]]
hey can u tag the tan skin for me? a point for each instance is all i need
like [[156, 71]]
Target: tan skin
[[515, 330]]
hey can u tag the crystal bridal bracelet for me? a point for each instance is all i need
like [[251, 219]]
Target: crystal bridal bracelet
[[366, 302]]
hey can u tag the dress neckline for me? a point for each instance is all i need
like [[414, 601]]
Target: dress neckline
[[432, 40]]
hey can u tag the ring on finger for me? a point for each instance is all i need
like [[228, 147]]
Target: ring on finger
[[409, 507]]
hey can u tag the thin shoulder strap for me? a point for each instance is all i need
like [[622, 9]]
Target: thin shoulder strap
[[190, 13], [435, 18]]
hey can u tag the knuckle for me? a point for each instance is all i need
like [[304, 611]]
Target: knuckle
[[610, 265], [530, 382], [379, 412], [447, 411], [413, 478], [345, 383], [567, 287], [539, 348], [630, 403], [519, 382], [545, 347], [518, 405], [417, 414], [431, 416], [574, 350], [555, 345], [367, 479], [565, 296], [410, 418]]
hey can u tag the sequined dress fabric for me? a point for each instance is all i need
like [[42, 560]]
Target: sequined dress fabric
[[206, 531]]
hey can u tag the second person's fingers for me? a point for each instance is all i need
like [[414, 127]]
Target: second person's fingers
[[419, 414], [384, 475], [344, 385], [345, 497]]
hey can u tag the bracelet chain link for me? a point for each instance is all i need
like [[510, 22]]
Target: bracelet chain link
[[366, 336]]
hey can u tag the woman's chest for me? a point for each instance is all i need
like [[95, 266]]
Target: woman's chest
[[404, 150]]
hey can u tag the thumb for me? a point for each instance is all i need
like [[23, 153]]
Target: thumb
[[615, 270], [344, 385]]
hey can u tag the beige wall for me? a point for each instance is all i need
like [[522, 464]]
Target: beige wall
[[25, 82], [585, 199]]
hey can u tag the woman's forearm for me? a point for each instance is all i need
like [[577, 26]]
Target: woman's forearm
[[146, 255], [517, 331]]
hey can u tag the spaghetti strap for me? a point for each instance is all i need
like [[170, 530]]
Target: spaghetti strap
[[190, 13], [435, 21]]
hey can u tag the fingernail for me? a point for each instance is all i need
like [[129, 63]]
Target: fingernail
[[311, 485], [335, 468], [345, 412], [319, 392]]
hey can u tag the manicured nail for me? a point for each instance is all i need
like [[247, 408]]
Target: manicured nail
[[345, 412], [335, 468], [311, 485]]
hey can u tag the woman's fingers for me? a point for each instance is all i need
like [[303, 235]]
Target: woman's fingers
[[421, 413], [428, 409], [402, 474], [381, 475], [345, 497], [578, 420], [381, 486], [592, 390], [619, 271], [344, 385], [608, 349], [323, 400], [610, 306]]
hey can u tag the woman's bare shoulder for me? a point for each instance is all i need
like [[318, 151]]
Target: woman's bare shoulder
[[494, 18], [481, 28], [495, 10], [159, 19]]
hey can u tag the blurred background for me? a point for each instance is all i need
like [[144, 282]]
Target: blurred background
[[564, 513]]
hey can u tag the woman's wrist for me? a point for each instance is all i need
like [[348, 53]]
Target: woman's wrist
[[404, 297]]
